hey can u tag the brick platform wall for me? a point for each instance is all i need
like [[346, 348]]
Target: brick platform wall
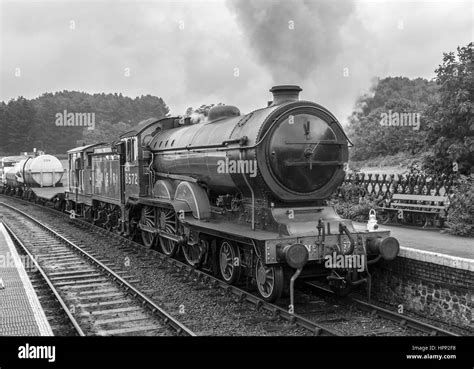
[[435, 291]]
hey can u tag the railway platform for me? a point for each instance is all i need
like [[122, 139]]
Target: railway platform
[[433, 275], [430, 245], [21, 313]]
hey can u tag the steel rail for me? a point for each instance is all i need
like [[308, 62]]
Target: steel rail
[[317, 329], [53, 289], [390, 315], [404, 320], [277, 311], [167, 318]]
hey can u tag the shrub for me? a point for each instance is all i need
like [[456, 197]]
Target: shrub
[[461, 207], [350, 202]]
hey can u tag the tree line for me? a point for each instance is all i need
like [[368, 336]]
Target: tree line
[[442, 137], [432, 120], [25, 124]]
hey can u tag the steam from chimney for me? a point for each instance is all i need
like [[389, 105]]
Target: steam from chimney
[[197, 117], [293, 37], [320, 45]]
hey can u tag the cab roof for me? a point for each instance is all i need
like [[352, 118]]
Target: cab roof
[[139, 127], [83, 148]]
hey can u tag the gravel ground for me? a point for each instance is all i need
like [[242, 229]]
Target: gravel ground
[[204, 310], [209, 311], [57, 318], [436, 322], [76, 292], [346, 318]]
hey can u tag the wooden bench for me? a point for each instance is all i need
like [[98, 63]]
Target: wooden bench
[[415, 209]]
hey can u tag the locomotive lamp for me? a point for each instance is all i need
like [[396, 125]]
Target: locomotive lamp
[[372, 223]]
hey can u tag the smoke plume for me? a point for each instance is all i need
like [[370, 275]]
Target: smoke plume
[[292, 37], [321, 45]]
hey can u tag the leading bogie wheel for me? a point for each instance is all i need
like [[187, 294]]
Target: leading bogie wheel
[[194, 253], [270, 281]]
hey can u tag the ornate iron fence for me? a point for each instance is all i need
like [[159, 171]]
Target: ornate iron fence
[[385, 185]]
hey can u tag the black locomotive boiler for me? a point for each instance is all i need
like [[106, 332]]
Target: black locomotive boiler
[[244, 196]]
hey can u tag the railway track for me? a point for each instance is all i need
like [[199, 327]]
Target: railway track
[[56, 314], [203, 279], [96, 300], [304, 320], [318, 327], [378, 311]]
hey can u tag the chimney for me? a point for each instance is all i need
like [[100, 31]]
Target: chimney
[[285, 93]]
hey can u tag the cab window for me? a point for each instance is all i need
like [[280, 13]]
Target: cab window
[[131, 149]]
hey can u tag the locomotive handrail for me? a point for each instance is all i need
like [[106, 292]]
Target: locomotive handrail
[[177, 176], [322, 142], [224, 144], [289, 163]]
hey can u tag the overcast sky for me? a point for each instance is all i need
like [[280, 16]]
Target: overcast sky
[[199, 52]]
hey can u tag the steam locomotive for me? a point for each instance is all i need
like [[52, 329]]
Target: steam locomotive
[[241, 195]]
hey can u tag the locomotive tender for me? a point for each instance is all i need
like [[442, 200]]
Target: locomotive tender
[[240, 195]]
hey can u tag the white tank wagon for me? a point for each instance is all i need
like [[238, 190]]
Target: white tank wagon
[[4, 180], [7, 164], [13, 177], [40, 171]]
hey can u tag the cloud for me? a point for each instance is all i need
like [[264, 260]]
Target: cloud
[[196, 64], [320, 45], [180, 51], [334, 49]]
